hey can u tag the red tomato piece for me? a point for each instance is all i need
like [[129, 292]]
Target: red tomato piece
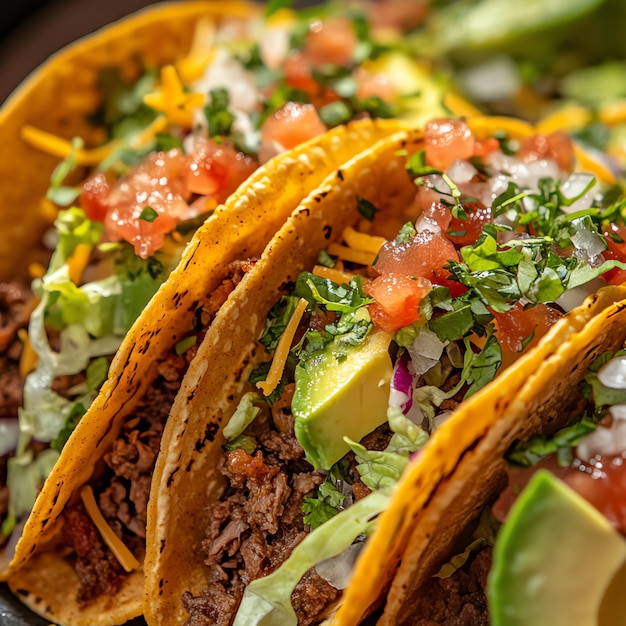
[[397, 300], [94, 197], [477, 215], [215, 170], [517, 324], [447, 140], [556, 146], [291, 125], [424, 255], [605, 488], [330, 42]]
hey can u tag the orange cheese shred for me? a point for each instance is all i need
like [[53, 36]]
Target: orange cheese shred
[[78, 262], [29, 358], [588, 164], [362, 241], [282, 350], [62, 148], [120, 551], [350, 254], [331, 273]]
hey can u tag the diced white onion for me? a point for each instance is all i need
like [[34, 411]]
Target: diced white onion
[[589, 243], [604, 441], [495, 79], [425, 351], [461, 171], [337, 570], [572, 298], [613, 374], [573, 187]]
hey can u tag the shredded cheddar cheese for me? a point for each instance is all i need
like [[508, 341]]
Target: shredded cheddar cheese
[[613, 113], [362, 241], [565, 119], [589, 164], [349, 254], [459, 106], [62, 148], [336, 275], [120, 551], [78, 262], [191, 67], [282, 350], [172, 100], [28, 358], [487, 125]]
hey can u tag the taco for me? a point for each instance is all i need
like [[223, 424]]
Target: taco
[[315, 385], [554, 450], [115, 248]]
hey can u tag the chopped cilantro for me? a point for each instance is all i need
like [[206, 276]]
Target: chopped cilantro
[[366, 208], [148, 214]]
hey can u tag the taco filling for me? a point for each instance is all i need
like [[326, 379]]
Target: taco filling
[[375, 347], [178, 145], [586, 456]]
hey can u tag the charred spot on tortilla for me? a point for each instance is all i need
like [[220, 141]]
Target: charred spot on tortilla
[[328, 231], [170, 478], [304, 211], [189, 465], [190, 397], [210, 431], [22, 592], [200, 443], [340, 174]]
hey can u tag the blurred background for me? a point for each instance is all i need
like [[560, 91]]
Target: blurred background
[[33, 29]]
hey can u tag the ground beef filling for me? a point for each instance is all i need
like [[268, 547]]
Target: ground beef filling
[[123, 488], [459, 600], [259, 522], [16, 303]]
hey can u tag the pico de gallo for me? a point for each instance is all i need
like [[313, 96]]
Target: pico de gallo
[[505, 239], [179, 142]]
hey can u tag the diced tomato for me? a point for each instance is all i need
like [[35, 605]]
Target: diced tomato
[[518, 324], [476, 216], [397, 300], [484, 147], [291, 125], [454, 286], [166, 183], [556, 146], [374, 85], [616, 251], [299, 75], [397, 14], [94, 197], [605, 488], [446, 140], [330, 42], [424, 255], [215, 170]]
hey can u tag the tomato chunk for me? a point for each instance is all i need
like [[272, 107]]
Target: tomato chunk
[[447, 140], [397, 300], [468, 230], [293, 124], [424, 255], [556, 146], [518, 324]]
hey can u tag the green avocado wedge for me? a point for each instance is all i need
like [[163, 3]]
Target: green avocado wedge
[[341, 395], [554, 560]]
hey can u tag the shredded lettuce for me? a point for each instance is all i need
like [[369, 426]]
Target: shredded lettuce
[[267, 601], [243, 416]]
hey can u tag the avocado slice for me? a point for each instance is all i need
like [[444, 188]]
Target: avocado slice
[[341, 395], [553, 561]]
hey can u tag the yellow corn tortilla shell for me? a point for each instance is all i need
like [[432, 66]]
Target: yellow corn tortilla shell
[[462, 467], [186, 475], [60, 95], [238, 229]]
